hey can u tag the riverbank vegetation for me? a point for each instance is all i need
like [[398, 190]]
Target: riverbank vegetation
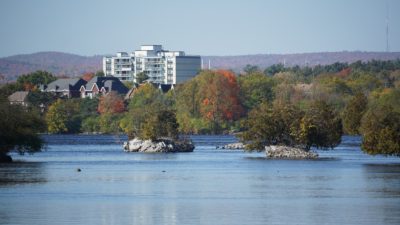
[[304, 106], [19, 130]]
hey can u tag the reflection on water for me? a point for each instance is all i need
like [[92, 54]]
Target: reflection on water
[[382, 185], [208, 186], [22, 172], [382, 180]]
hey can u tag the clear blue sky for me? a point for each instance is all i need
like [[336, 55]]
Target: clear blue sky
[[205, 27]]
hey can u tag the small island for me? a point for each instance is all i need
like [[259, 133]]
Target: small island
[[159, 145], [154, 128], [285, 131]]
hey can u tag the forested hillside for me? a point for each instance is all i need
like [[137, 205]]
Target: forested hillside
[[64, 64]]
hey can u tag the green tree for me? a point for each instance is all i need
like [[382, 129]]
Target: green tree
[[128, 84], [141, 77], [255, 88], [364, 82], [248, 69], [380, 128], [353, 113], [19, 130], [270, 125], [276, 68], [41, 100], [145, 95], [286, 124], [160, 124], [321, 127], [145, 113], [386, 97], [88, 107], [63, 117], [36, 78], [91, 124], [109, 123], [99, 73], [7, 89]]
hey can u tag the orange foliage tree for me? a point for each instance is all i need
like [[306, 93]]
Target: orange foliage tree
[[87, 76], [219, 96], [110, 104]]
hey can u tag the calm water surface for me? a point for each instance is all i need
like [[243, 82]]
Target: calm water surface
[[207, 186]]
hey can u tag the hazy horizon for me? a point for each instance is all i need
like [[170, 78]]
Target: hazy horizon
[[208, 28], [295, 53]]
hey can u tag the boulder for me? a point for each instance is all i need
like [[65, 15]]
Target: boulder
[[161, 145], [237, 145], [4, 158], [286, 152]]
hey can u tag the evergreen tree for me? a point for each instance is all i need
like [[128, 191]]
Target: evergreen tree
[[380, 128], [353, 113]]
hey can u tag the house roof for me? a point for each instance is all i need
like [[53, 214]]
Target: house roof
[[163, 87], [129, 94], [65, 84], [19, 96], [108, 83]]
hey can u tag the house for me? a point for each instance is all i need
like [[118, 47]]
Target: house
[[69, 87], [19, 98], [102, 86]]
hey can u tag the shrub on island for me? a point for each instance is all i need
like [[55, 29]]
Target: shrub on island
[[289, 126]]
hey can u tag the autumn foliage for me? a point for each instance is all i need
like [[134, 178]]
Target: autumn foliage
[[210, 100], [87, 76], [111, 103], [220, 96]]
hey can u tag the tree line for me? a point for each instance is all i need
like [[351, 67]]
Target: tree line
[[301, 106]]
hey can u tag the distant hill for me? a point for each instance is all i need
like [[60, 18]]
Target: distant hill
[[58, 63], [236, 63], [64, 64]]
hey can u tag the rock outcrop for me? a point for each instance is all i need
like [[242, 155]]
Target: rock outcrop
[[237, 145], [285, 152], [161, 145]]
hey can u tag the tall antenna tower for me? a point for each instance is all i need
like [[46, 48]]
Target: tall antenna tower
[[387, 27]]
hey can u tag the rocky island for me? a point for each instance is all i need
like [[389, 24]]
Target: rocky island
[[286, 152], [160, 145], [233, 146], [277, 151]]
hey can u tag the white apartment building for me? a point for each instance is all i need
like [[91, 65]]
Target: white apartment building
[[161, 66]]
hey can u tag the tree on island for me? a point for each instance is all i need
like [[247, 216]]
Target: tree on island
[[381, 132], [160, 124], [380, 126], [150, 115], [285, 124], [353, 113], [19, 130]]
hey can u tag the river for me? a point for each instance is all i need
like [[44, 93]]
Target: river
[[209, 186]]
